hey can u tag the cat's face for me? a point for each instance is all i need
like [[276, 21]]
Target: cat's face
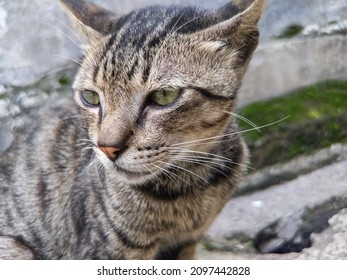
[[152, 89]]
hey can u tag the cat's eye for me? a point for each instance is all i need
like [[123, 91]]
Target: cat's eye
[[90, 98], [164, 97]]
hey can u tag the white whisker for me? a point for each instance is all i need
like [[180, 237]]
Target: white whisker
[[185, 170], [72, 40], [252, 124], [153, 173], [68, 58], [92, 163], [198, 162], [171, 33], [215, 156], [71, 30], [100, 166], [169, 174], [230, 134]]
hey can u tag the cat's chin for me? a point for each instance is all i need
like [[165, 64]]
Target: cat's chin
[[134, 177]]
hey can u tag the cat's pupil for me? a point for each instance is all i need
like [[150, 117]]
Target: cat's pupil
[[164, 97], [90, 98]]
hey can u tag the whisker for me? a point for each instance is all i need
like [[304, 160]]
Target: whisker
[[177, 149], [224, 159], [72, 40], [153, 173], [171, 33], [191, 160], [185, 170], [100, 166], [94, 161], [216, 157], [252, 124], [169, 174], [71, 30], [84, 139], [87, 148], [215, 161], [168, 37], [230, 134], [84, 142], [68, 58]]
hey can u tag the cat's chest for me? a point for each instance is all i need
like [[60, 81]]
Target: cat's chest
[[153, 219]]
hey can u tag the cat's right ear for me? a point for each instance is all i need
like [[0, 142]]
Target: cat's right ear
[[92, 21]]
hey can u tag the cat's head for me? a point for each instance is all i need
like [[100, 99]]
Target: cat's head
[[155, 82]]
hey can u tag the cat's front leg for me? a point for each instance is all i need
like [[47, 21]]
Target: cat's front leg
[[13, 249], [187, 252], [179, 252]]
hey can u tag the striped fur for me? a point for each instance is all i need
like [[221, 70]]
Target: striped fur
[[62, 198]]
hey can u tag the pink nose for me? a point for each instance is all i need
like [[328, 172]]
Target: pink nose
[[110, 152]]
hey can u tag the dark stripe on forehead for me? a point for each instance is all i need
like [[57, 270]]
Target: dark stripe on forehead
[[106, 49], [145, 30], [117, 28], [133, 68]]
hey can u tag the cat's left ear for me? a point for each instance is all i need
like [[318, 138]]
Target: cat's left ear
[[238, 31], [92, 21]]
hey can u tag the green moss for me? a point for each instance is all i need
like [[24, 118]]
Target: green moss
[[207, 246], [64, 80], [290, 31], [317, 118]]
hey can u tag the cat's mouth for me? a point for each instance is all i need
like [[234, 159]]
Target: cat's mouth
[[131, 174]]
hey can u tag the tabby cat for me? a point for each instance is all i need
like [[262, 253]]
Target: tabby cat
[[140, 164]]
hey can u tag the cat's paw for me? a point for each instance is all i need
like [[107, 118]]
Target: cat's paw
[[13, 249]]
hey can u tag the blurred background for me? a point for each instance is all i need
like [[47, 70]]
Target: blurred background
[[298, 76]]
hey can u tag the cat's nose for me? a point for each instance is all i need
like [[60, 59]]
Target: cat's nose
[[110, 152]]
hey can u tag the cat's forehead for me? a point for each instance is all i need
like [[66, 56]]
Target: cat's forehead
[[139, 37], [181, 19], [145, 28]]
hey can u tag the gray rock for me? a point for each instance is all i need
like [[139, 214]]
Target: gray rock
[[33, 41], [330, 244], [282, 172], [292, 234], [280, 14], [284, 65], [284, 212]]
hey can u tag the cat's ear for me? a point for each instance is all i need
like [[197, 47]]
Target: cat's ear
[[238, 27], [92, 21]]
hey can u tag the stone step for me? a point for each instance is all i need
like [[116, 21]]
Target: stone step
[[281, 218], [331, 244], [279, 173]]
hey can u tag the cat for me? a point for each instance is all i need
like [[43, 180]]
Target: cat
[[144, 158]]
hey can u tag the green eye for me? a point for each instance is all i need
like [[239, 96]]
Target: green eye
[[90, 98], [164, 97]]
